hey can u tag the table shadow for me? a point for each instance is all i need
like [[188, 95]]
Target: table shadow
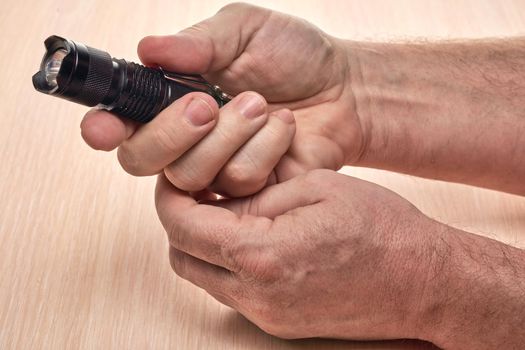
[[236, 326]]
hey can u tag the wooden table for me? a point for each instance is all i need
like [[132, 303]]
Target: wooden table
[[83, 258]]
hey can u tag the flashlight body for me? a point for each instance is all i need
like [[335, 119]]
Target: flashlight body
[[93, 78], [134, 91], [125, 88]]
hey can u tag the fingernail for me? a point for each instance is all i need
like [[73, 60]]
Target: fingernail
[[199, 112], [285, 115], [251, 106]]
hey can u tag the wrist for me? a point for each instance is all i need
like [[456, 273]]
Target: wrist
[[382, 95], [403, 99], [375, 93], [473, 295], [444, 110], [350, 128], [371, 86]]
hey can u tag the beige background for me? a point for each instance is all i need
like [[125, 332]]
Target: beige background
[[83, 258]]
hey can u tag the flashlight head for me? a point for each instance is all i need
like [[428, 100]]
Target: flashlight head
[[74, 71], [58, 51]]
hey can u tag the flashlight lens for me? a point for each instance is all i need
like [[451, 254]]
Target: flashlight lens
[[52, 66]]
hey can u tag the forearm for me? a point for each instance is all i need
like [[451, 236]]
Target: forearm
[[475, 294], [449, 111]]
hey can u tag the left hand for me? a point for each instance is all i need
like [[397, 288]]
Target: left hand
[[320, 255], [307, 119]]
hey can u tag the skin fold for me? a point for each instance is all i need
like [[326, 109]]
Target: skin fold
[[299, 249]]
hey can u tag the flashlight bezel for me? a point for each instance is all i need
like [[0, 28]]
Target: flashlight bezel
[[75, 63]]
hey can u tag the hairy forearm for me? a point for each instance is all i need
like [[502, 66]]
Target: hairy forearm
[[475, 293], [453, 111]]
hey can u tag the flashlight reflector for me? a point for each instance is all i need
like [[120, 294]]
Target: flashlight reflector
[[52, 67]]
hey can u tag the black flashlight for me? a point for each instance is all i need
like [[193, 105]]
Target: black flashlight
[[91, 77]]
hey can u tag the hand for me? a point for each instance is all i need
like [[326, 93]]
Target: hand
[[321, 255], [291, 63]]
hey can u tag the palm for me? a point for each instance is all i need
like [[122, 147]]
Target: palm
[[296, 66]]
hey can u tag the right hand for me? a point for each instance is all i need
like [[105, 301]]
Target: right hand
[[320, 255], [291, 63]]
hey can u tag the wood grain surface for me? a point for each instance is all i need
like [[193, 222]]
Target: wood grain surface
[[83, 258]]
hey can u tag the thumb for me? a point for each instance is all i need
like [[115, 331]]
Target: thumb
[[208, 46]]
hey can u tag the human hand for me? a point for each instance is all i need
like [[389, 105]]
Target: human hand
[[320, 255], [291, 63]]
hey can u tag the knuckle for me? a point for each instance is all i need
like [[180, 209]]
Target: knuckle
[[264, 267], [221, 298], [232, 252], [178, 262], [238, 252], [239, 295], [175, 235], [256, 261], [178, 229], [185, 178], [244, 175], [166, 140], [235, 6], [197, 28], [201, 32]]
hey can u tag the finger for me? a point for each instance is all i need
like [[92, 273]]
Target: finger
[[175, 130], [207, 46], [212, 278], [301, 191], [248, 170], [239, 120], [105, 131], [215, 235]]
